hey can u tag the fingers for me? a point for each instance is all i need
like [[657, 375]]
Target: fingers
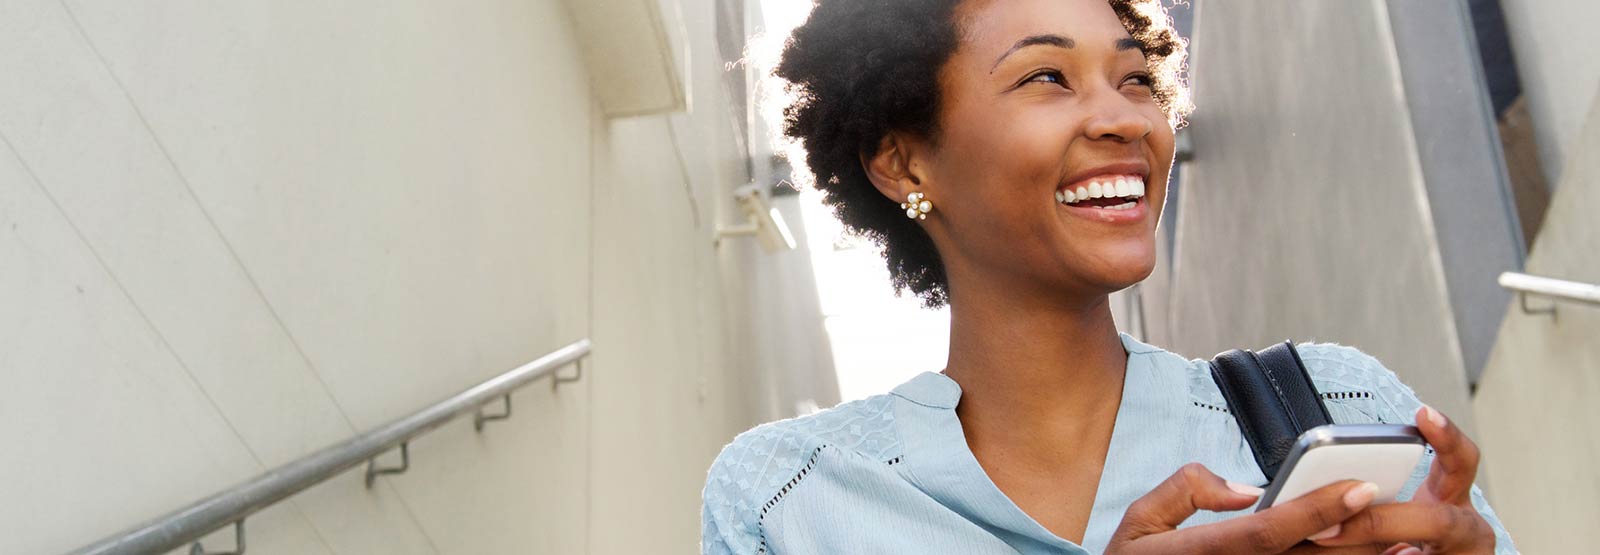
[[1455, 461], [1190, 489], [1403, 549], [1314, 549], [1279, 528], [1443, 526]]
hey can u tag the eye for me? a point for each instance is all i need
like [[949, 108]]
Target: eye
[[1047, 76], [1140, 79]]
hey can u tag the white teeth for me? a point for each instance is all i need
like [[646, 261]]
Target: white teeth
[[1121, 187]]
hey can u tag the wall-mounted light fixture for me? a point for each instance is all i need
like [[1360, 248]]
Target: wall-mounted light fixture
[[761, 220]]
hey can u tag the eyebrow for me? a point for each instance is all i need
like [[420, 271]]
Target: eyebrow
[[1050, 40], [1125, 43]]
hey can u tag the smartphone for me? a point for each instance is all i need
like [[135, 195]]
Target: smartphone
[[1384, 454]]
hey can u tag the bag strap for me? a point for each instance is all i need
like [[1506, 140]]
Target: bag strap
[[1271, 396]]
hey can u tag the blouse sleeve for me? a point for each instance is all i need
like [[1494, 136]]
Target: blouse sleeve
[[727, 521], [740, 485], [1386, 400]]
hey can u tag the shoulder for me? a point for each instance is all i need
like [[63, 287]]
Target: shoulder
[[1359, 384], [1335, 365], [1355, 386], [760, 464], [864, 427]]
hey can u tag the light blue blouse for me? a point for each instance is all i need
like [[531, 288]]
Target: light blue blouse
[[892, 473]]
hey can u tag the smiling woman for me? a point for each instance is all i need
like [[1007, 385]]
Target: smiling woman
[[1011, 157]]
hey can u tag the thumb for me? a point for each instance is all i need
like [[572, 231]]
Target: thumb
[[1191, 489]]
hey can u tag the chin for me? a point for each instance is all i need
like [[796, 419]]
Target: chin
[[1120, 270], [1127, 277]]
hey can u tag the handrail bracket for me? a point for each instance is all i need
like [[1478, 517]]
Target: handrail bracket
[[238, 543], [405, 463], [1522, 297], [479, 418], [558, 379]]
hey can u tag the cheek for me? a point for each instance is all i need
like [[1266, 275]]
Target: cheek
[[1000, 160], [1023, 157], [1162, 143], [1162, 138]]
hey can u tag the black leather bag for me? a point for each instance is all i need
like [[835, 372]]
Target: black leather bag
[[1272, 398]]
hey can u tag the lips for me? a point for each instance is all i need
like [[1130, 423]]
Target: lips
[[1107, 198]]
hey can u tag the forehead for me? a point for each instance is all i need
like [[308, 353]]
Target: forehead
[[989, 27]]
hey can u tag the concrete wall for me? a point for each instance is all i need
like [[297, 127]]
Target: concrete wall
[[1560, 73], [233, 233], [1535, 406], [1304, 213], [1470, 205]]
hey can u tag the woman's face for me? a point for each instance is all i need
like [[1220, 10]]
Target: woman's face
[[1043, 97]]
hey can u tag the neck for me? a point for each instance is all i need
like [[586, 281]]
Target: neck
[[1033, 370]]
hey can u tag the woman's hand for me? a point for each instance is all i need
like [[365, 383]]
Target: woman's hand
[[1440, 518], [1150, 525]]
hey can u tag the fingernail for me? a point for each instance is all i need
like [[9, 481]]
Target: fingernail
[[1242, 489], [1434, 416], [1325, 534], [1360, 496], [1410, 551]]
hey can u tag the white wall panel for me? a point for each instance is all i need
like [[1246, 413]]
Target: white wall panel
[[1560, 73], [395, 176], [71, 123], [102, 425]]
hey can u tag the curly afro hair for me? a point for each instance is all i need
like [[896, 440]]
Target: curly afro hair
[[859, 69]]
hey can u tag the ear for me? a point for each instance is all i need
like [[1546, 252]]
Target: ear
[[895, 169]]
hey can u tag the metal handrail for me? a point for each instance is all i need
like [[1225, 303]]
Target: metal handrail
[[1559, 289], [231, 506]]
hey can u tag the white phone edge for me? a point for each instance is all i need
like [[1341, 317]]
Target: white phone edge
[[1384, 454]]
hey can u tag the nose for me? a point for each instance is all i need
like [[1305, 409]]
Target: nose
[[1113, 116]]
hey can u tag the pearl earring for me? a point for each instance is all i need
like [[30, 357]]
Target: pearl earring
[[916, 207]]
